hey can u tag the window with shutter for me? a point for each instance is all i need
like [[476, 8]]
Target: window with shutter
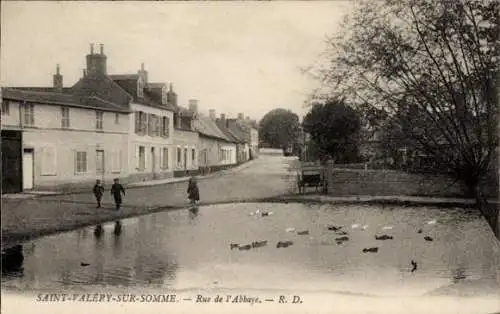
[[165, 158], [137, 157], [179, 156], [144, 122], [28, 114], [157, 126], [167, 127], [137, 122], [141, 158], [65, 117], [49, 164], [80, 162], [5, 107], [148, 123], [116, 160]]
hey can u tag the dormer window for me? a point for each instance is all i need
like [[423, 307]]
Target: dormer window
[[164, 95], [140, 88]]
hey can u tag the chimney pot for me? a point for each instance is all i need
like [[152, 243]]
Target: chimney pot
[[223, 116], [58, 80], [211, 114], [193, 105], [241, 116], [142, 66], [91, 49], [102, 49]]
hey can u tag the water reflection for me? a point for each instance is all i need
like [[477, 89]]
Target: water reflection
[[459, 274], [98, 231], [118, 228], [12, 261], [179, 252], [193, 212]]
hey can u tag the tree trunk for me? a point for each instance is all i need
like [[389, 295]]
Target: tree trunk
[[489, 211]]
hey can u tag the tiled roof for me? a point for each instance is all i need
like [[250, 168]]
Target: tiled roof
[[98, 103], [91, 102], [156, 85], [240, 127], [119, 77], [103, 87], [208, 127], [65, 90], [41, 97], [236, 135], [128, 82]]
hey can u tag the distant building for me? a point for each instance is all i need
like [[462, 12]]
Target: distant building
[[186, 137], [217, 150], [250, 129], [237, 135]]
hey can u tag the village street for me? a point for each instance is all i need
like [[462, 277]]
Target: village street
[[267, 176]]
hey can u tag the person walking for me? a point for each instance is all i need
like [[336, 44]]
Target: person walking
[[98, 192], [193, 191], [116, 191]]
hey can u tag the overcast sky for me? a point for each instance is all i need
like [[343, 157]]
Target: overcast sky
[[232, 56]]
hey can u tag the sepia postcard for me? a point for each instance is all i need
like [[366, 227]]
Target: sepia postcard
[[250, 156]]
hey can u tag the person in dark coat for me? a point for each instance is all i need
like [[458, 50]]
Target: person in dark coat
[[193, 191], [98, 192], [116, 191]]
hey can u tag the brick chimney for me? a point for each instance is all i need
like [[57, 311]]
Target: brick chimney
[[223, 117], [172, 96], [211, 114], [241, 116], [193, 105], [96, 62], [58, 80], [144, 74]]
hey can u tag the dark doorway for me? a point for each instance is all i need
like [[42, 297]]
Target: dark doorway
[[12, 157]]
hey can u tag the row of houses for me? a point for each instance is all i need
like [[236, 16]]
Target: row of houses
[[107, 126]]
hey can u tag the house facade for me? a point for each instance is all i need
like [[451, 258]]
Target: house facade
[[94, 133], [250, 130], [240, 138], [108, 126], [186, 138], [217, 150], [151, 145]]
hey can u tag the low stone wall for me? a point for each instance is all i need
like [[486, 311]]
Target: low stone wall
[[343, 182]]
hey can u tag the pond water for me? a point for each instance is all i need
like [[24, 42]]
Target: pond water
[[187, 251]]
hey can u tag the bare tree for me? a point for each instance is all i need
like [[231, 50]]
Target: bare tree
[[436, 61]]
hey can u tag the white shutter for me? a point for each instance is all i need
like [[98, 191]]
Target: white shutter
[[162, 166], [146, 165], [49, 164], [137, 161], [115, 160]]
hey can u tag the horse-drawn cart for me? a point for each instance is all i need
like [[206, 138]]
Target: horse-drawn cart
[[311, 174]]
